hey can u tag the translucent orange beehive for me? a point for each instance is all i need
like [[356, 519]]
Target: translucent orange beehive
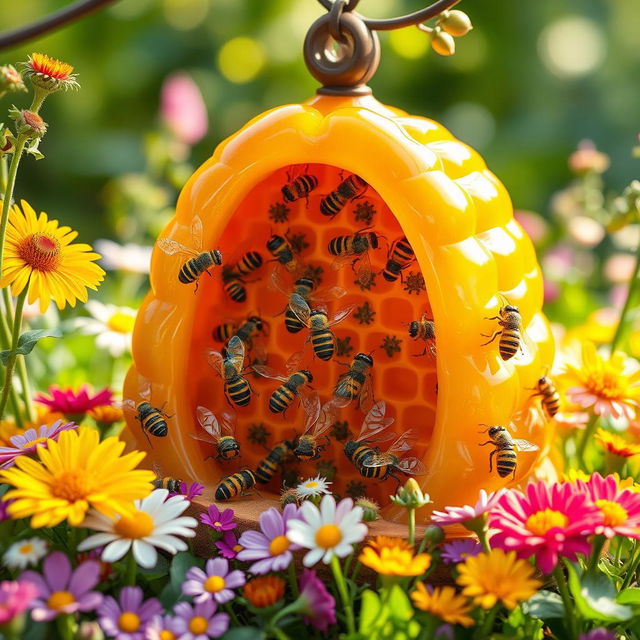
[[470, 256]]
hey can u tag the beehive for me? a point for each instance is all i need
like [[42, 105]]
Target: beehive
[[471, 256]]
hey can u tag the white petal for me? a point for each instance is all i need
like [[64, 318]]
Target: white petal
[[328, 509], [145, 555], [116, 550], [97, 540], [312, 557]]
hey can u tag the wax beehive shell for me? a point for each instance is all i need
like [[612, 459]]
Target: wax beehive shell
[[472, 254]]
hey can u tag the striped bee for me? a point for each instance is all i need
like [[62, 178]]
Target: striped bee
[[230, 367], [505, 449], [152, 420], [354, 248], [318, 421], [235, 485], [424, 329], [220, 433], [319, 324], [234, 286], [400, 256], [510, 322], [201, 261], [249, 262], [355, 383], [222, 332], [250, 329], [550, 398], [165, 482], [349, 189], [269, 465], [281, 250], [299, 187]]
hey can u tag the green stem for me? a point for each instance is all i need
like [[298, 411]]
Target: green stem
[[17, 323], [484, 631], [631, 569], [627, 303], [595, 553], [484, 540], [569, 616], [232, 613], [586, 437], [342, 589], [412, 526], [8, 194], [279, 633], [132, 568], [293, 581], [5, 342], [356, 571], [64, 623]]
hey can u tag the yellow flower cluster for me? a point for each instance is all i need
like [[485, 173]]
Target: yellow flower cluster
[[394, 557]]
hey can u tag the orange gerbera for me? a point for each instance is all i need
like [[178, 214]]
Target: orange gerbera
[[264, 591], [444, 603], [617, 445], [49, 74]]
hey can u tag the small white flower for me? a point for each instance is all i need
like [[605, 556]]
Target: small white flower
[[156, 524], [313, 487], [113, 326], [327, 531], [25, 553], [133, 258]]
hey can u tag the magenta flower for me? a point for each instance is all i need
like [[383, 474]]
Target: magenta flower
[[546, 521], [229, 547], [30, 440], [468, 515], [598, 634], [61, 590], [74, 403], [183, 109], [220, 521], [4, 510], [459, 550], [129, 617], [15, 598], [319, 606], [214, 583], [197, 621], [191, 491], [270, 546]]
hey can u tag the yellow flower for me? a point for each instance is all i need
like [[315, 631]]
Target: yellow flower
[[444, 603], [497, 576], [8, 428], [39, 255], [106, 414], [386, 542], [617, 445], [394, 557], [75, 473], [573, 475]]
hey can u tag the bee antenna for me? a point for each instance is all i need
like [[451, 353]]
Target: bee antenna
[[482, 424]]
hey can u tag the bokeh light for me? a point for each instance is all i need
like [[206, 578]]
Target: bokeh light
[[409, 43], [471, 122], [241, 59], [185, 14]]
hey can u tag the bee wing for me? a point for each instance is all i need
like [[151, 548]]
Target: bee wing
[[208, 421], [227, 422], [293, 363], [268, 372], [402, 443], [364, 269], [366, 399], [216, 360], [374, 423], [378, 460], [235, 352], [524, 445], [340, 261], [312, 408], [171, 247], [278, 282], [411, 466], [202, 438], [145, 390], [197, 232], [328, 415], [341, 315], [128, 405], [300, 308], [328, 293]]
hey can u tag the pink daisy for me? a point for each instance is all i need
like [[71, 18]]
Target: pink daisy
[[319, 605], [15, 598], [468, 513], [74, 403], [218, 520], [30, 440], [215, 583], [229, 547]]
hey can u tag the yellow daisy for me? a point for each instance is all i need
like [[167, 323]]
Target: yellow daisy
[[394, 557], [39, 255], [497, 576], [617, 445], [444, 603], [73, 474]]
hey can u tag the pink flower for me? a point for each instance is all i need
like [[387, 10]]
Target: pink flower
[[229, 546], [467, 514], [72, 402], [319, 605], [545, 521], [15, 598], [215, 583], [30, 440], [182, 108], [190, 491], [218, 520]]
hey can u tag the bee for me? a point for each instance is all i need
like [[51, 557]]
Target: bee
[[510, 334], [172, 485], [280, 248], [299, 187], [424, 329], [250, 329], [152, 420], [201, 261], [269, 465], [319, 324], [355, 383], [349, 189], [318, 422], [399, 258], [354, 248], [220, 433], [222, 332], [234, 286], [505, 448], [249, 262], [550, 398], [237, 484], [230, 367]]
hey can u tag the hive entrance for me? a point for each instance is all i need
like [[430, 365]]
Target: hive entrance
[[377, 326]]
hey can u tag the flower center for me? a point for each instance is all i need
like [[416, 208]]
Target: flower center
[[542, 521], [121, 322], [139, 525], [198, 625], [33, 443], [213, 584], [40, 251], [59, 599], [165, 634], [71, 485], [614, 514], [26, 549], [328, 536], [217, 523], [238, 548], [311, 485], [278, 545], [129, 622]]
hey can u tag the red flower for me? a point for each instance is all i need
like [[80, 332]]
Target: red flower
[[72, 402]]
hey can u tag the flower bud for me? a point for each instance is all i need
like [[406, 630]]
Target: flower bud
[[10, 80], [434, 534], [455, 23], [587, 159], [289, 496], [442, 43], [370, 509], [89, 630], [410, 495], [28, 123]]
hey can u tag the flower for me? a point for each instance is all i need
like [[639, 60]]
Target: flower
[[39, 255], [25, 553], [191, 491], [105, 414], [74, 473], [329, 531], [387, 542], [76, 403], [370, 509], [128, 617], [159, 628], [587, 159], [617, 445], [155, 522], [61, 590], [269, 546], [610, 386], [131, 258], [10, 80], [264, 591], [471, 517], [545, 521], [390, 557], [197, 621], [49, 74], [215, 583], [113, 326], [497, 576], [182, 108], [30, 440], [220, 521], [229, 546], [319, 609], [458, 550], [410, 495], [29, 123], [598, 634], [313, 487], [444, 603], [15, 598]]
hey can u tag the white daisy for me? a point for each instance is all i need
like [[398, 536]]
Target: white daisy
[[133, 258], [313, 487], [25, 553], [156, 524], [327, 531], [113, 326]]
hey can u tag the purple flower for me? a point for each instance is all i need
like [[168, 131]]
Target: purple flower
[[183, 109], [30, 440], [220, 521], [214, 583], [15, 598], [598, 634], [270, 546], [4, 510], [320, 609], [191, 491], [62, 591], [468, 513], [459, 550], [229, 546], [128, 618], [159, 628], [197, 622]]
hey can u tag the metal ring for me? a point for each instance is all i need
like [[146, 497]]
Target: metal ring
[[334, 20]]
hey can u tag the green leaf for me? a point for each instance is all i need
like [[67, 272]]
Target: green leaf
[[28, 340], [244, 633], [399, 606], [629, 596], [371, 614], [544, 605], [180, 564]]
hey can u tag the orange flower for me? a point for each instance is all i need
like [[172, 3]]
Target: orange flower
[[106, 414], [264, 591], [617, 445], [49, 74], [444, 603], [385, 542]]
